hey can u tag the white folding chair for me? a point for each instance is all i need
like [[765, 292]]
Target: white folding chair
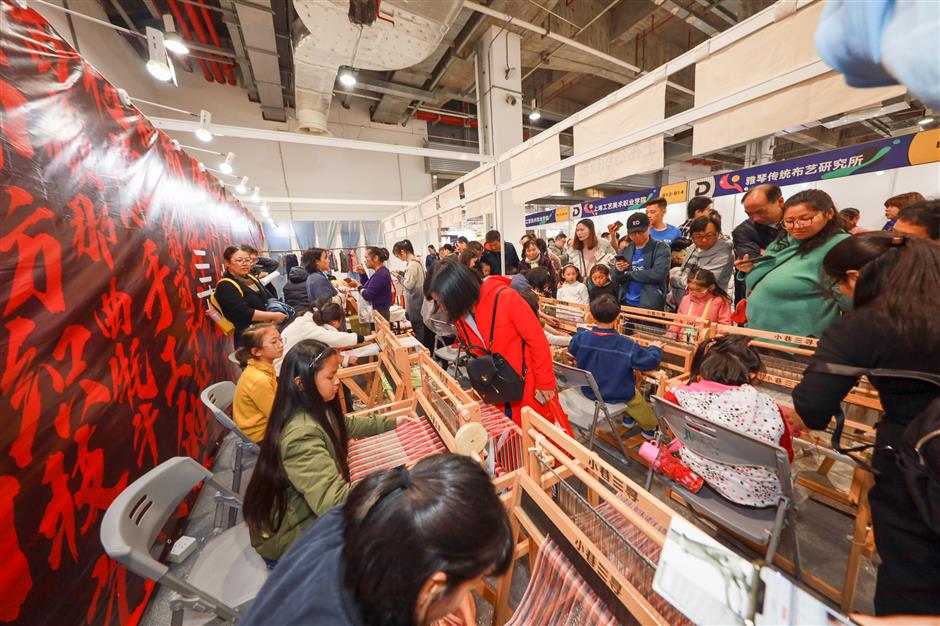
[[218, 398], [759, 525], [576, 403], [227, 574]]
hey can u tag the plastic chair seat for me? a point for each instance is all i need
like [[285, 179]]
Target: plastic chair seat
[[580, 408], [446, 353], [229, 569], [755, 524]]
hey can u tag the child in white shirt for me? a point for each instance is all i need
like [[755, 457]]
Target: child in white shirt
[[573, 289]]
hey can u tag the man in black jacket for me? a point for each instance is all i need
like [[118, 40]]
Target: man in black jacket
[[295, 291], [764, 207], [642, 267], [491, 254]]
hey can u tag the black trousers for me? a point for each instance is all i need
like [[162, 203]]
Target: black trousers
[[909, 575]]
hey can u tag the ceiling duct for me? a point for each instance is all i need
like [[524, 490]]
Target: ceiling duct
[[405, 33]]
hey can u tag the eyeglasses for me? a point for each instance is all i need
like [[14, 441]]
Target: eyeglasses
[[800, 221], [704, 236], [246, 261]]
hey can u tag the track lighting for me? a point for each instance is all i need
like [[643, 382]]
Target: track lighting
[[534, 116], [226, 166], [242, 187], [159, 64], [347, 78], [171, 39], [256, 196], [203, 133]]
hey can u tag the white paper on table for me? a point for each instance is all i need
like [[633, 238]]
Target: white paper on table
[[785, 604], [709, 583], [270, 277], [409, 341]]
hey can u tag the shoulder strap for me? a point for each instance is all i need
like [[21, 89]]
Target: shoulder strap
[[838, 369], [757, 282], [493, 321], [234, 282]]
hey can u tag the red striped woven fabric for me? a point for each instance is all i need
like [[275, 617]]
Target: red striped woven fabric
[[506, 438], [408, 443], [557, 595]]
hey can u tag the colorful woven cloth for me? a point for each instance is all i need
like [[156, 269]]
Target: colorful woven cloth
[[557, 595], [506, 438], [408, 443]]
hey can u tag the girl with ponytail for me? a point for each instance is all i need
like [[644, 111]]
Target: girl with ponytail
[[324, 321]]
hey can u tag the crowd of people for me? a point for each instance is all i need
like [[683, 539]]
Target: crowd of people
[[795, 266]]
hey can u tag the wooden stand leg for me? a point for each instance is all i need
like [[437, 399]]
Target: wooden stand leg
[[859, 537]]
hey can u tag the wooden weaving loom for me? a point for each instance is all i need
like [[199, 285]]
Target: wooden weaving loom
[[593, 537], [399, 356]]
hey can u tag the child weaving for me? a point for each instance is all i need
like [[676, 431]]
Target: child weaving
[[261, 345], [722, 372], [573, 290], [611, 359], [704, 299], [302, 469]]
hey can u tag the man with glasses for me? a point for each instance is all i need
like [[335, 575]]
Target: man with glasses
[[764, 207], [709, 251]]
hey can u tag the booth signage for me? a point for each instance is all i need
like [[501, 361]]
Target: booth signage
[[885, 154]]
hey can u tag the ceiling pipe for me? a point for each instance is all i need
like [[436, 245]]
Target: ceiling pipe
[[187, 34], [227, 67], [201, 35], [445, 119]]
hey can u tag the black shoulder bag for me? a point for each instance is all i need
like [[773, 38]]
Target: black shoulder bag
[[918, 451], [490, 374]]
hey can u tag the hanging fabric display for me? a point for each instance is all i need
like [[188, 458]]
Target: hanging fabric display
[[372, 230], [326, 233], [306, 233]]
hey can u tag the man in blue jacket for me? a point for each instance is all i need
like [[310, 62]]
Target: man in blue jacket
[[611, 358], [642, 268]]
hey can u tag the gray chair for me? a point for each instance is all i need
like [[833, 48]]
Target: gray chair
[[232, 359], [227, 574], [218, 398], [567, 377], [762, 526], [442, 350]]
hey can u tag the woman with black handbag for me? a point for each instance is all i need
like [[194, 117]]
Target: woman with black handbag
[[894, 283], [511, 362]]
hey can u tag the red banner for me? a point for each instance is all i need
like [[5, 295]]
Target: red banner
[[104, 344]]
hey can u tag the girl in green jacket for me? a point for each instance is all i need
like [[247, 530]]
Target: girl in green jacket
[[786, 290], [302, 470]]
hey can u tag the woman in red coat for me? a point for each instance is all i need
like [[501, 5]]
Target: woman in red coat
[[517, 336]]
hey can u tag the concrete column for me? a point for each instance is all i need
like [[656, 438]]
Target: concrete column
[[499, 104], [759, 152]]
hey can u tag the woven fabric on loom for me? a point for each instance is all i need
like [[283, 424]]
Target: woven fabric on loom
[[506, 438], [557, 595], [408, 443], [643, 581]]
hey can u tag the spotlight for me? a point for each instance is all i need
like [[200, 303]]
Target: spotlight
[[171, 39], [534, 116], [124, 97], [256, 196], [159, 64], [176, 145], [242, 187], [226, 166], [202, 166], [203, 133], [347, 78]]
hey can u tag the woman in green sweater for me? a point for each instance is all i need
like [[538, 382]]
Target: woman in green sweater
[[302, 470], [786, 290]]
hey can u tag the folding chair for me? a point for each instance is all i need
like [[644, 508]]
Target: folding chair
[[442, 350], [218, 398], [761, 526], [227, 574], [574, 378], [232, 359]]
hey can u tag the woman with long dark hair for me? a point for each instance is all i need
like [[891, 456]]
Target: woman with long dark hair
[[491, 308], [319, 287], [405, 550], [241, 297], [587, 249], [894, 283], [786, 292], [302, 470]]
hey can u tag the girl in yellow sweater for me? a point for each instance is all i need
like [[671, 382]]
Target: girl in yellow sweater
[[254, 396]]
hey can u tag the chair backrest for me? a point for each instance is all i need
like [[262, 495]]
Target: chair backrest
[[439, 327], [723, 444], [218, 398], [134, 519], [567, 376]]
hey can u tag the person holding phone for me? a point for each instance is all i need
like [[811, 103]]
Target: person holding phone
[[375, 289], [642, 269]]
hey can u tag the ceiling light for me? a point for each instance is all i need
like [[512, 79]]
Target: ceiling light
[[242, 187], [264, 210], [226, 166], [925, 121], [347, 78], [203, 133], [159, 64], [176, 145], [534, 116], [171, 39], [202, 166], [256, 196]]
